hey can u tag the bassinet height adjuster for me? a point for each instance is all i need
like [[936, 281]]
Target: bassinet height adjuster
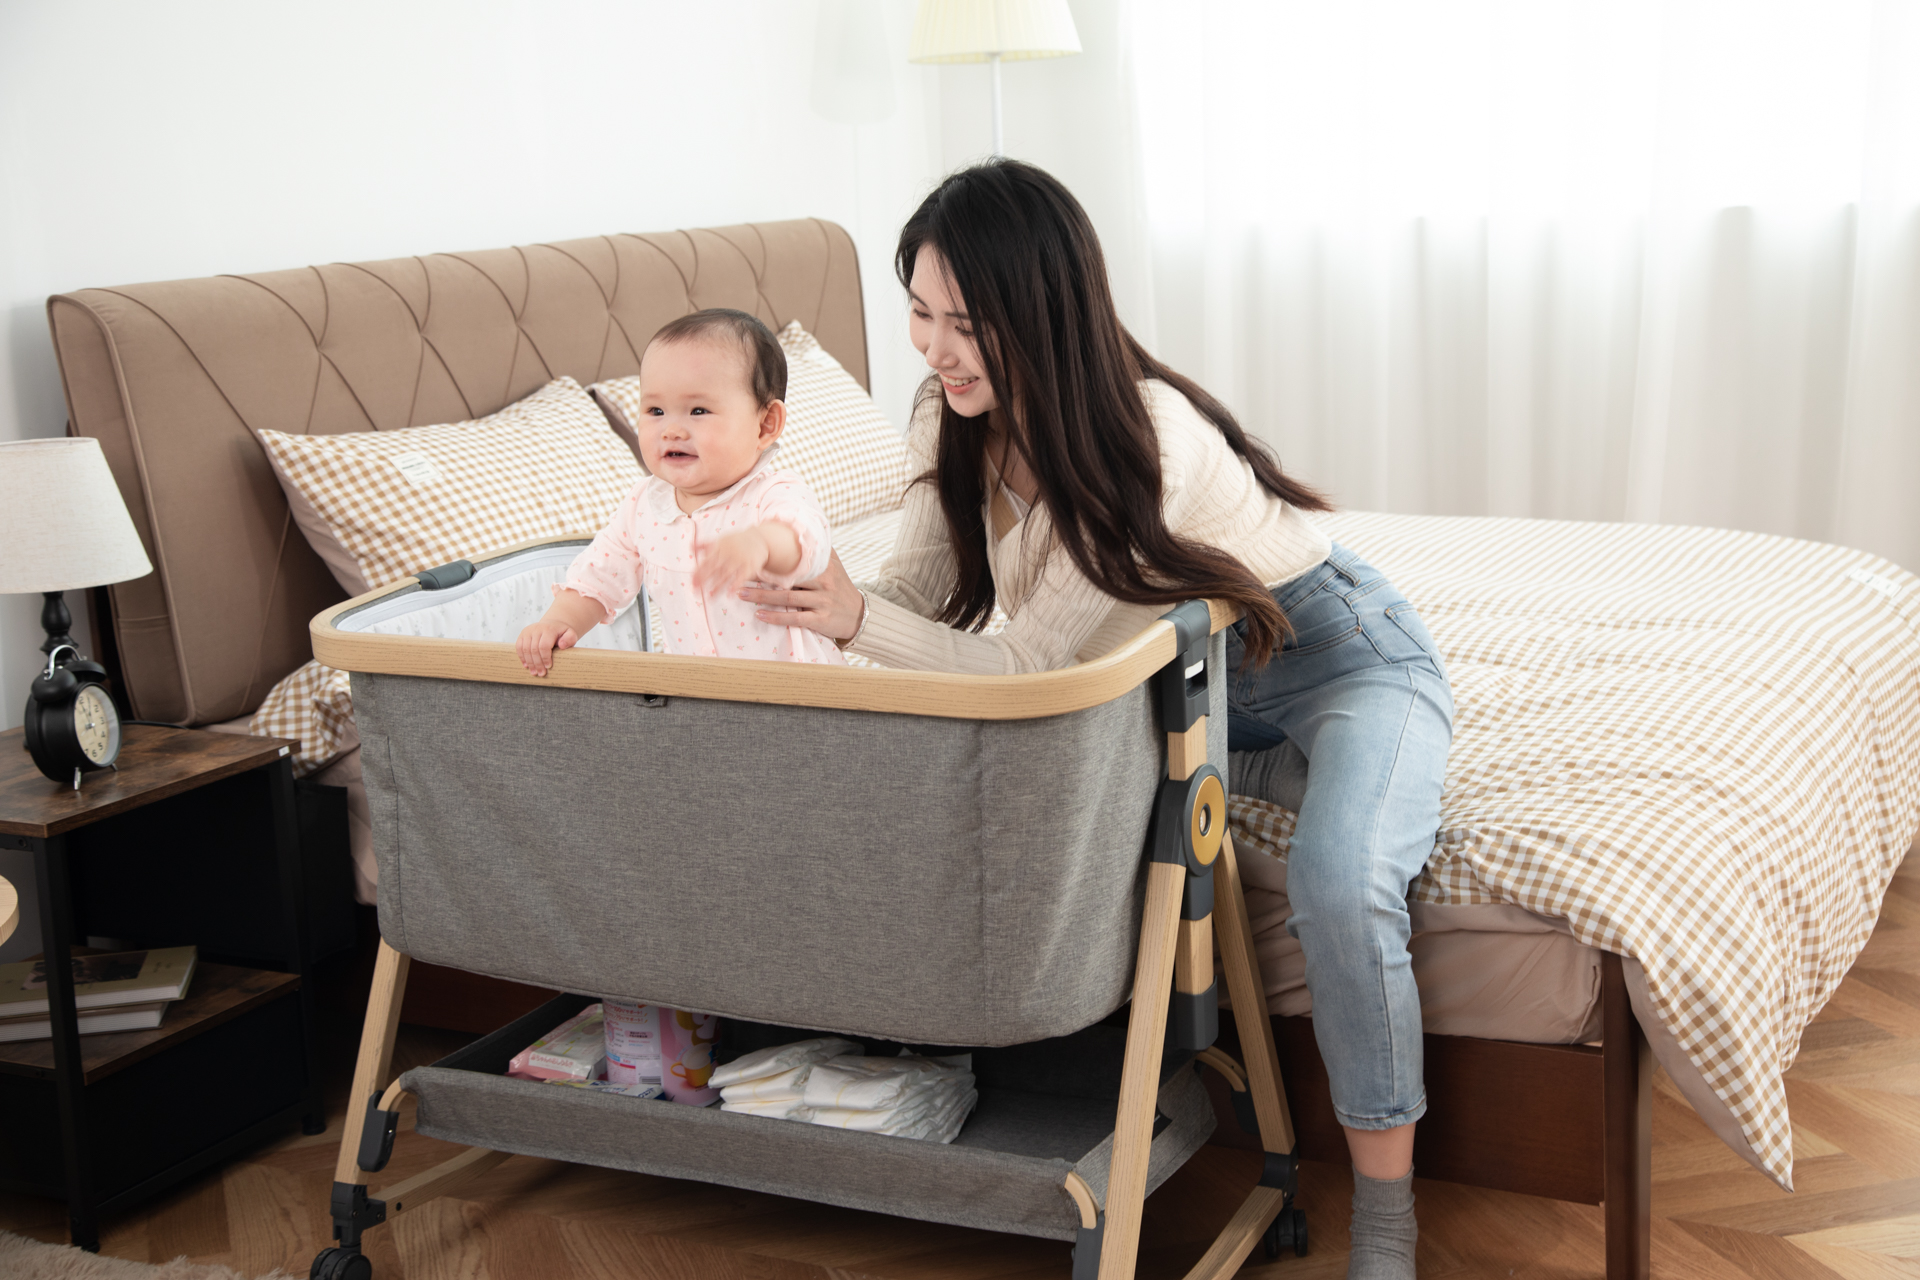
[[1078, 1120]]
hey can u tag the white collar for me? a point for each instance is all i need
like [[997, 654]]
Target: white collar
[[665, 503]]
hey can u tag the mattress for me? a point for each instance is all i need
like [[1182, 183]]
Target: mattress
[[1697, 748]]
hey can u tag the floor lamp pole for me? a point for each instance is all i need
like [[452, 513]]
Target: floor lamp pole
[[999, 148]]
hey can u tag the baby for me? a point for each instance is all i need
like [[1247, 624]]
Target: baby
[[712, 517]]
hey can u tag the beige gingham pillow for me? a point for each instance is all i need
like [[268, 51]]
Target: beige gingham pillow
[[315, 705], [399, 501], [836, 438]]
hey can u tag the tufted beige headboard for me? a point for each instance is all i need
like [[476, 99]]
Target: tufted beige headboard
[[173, 378]]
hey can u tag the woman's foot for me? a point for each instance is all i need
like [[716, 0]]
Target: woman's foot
[[1383, 1229]]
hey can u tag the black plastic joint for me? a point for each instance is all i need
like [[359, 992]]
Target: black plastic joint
[[1282, 1171], [442, 576], [1171, 836], [353, 1212], [1195, 1019], [1086, 1248], [1185, 682], [1196, 903], [376, 1136]]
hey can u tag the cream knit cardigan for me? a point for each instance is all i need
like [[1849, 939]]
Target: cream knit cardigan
[[1056, 617]]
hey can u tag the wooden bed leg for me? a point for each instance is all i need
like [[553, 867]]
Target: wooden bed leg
[[1627, 1067], [1140, 1076]]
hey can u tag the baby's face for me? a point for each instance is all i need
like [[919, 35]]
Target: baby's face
[[699, 427]]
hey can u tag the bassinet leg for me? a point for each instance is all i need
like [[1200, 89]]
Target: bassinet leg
[[1260, 1056], [1140, 1078], [1274, 1194], [352, 1211]]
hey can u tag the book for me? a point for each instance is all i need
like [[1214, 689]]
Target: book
[[100, 981], [125, 1017]]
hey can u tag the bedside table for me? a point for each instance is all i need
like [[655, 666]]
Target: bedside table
[[194, 839]]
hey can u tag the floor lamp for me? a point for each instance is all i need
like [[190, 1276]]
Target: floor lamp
[[992, 31]]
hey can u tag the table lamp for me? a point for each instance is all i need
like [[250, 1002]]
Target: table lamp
[[63, 527], [992, 31]]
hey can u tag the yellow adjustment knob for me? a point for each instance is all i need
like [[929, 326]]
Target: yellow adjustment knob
[[1208, 819]]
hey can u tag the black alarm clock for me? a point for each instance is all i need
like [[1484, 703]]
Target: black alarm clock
[[72, 727]]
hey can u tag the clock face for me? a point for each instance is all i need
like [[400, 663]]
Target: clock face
[[96, 725]]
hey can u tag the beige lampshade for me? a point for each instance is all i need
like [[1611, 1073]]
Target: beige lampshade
[[974, 30], [63, 525]]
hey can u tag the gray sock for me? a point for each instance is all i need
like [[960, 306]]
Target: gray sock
[[1383, 1229]]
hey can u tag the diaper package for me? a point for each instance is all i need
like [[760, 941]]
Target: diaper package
[[828, 1081]]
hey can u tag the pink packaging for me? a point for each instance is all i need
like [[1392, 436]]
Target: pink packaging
[[574, 1050], [686, 1053], [633, 1041]]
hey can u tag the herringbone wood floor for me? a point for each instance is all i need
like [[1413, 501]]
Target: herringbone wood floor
[[1855, 1094]]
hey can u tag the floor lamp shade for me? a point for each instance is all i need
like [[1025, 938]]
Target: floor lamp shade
[[977, 30], [992, 31], [63, 524]]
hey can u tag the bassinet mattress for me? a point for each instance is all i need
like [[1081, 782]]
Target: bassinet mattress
[[1698, 748]]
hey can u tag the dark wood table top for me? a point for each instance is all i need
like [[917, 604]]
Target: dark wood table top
[[154, 763]]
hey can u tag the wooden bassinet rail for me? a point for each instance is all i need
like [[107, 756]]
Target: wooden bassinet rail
[[923, 693]]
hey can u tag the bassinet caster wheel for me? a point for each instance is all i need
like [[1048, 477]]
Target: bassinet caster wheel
[[340, 1264], [1289, 1228]]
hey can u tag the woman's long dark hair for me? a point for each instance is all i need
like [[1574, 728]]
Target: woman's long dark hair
[[1020, 251]]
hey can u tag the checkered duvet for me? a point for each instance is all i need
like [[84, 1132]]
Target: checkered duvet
[[1701, 748]]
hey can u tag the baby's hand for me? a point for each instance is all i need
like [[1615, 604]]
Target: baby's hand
[[733, 561], [537, 643]]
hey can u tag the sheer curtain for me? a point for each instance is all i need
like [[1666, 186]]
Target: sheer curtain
[[1591, 259]]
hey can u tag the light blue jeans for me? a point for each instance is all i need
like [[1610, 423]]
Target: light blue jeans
[[1360, 690]]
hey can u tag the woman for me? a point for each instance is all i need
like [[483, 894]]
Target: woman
[[1084, 487]]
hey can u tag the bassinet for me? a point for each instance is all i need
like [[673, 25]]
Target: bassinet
[[905, 858]]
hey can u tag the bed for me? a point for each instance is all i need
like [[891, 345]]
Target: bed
[[1543, 999]]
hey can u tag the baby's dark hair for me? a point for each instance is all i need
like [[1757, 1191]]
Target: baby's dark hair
[[766, 362]]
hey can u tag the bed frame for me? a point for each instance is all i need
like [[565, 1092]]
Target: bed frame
[[173, 378]]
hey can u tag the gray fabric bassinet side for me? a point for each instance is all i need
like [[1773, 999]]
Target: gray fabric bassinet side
[[928, 880]]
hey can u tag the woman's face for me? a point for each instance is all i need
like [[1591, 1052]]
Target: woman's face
[[944, 335]]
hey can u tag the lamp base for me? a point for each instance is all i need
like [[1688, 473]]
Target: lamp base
[[56, 621]]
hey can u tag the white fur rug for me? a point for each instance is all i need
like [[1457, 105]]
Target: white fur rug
[[23, 1259]]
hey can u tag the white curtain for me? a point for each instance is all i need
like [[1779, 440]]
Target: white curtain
[[1591, 259]]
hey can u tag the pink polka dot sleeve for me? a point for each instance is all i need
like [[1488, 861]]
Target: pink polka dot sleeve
[[609, 570], [789, 501]]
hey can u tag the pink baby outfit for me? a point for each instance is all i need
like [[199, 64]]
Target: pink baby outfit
[[651, 542]]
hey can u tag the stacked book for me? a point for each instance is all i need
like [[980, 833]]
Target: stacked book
[[117, 991]]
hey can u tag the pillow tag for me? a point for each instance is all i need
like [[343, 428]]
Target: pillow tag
[[418, 468], [1884, 585]]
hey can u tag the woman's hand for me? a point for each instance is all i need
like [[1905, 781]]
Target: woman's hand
[[830, 604]]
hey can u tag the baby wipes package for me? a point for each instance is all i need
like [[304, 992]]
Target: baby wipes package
[[573, 1051]]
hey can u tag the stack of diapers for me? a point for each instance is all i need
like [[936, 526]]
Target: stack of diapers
[[772, 1082], [829, 1081], [905, 1097]]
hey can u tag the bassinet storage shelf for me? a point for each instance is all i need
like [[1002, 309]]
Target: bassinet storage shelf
[[920, 859], [1045, 1109]]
